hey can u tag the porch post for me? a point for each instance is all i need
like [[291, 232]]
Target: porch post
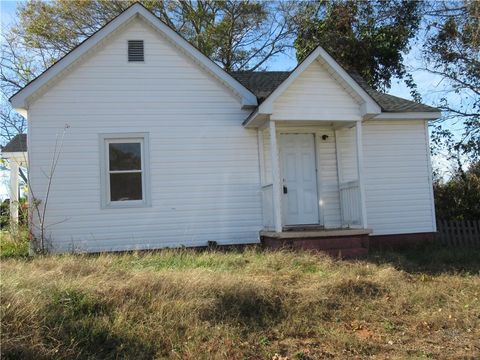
[[276, 181], [358, 132], [261, 156], [13, 191]]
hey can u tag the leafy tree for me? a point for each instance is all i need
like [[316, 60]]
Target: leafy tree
[[11, 123], [452, 52], [459, 197], [366, 36], [239, 35], [17, 67]]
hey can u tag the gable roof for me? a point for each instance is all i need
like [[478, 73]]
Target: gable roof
[[17, 144], [368, 106], [263, 83], [19, 99], [253, 87]]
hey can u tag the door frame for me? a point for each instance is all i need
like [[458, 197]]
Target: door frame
[[306, 131]]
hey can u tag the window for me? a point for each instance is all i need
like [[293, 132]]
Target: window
[[135, 50], [124, 170]]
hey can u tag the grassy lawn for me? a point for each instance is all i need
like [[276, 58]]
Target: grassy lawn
[[240, 305]]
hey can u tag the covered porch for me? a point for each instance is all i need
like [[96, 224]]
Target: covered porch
[[311, 155], [312, 188], [312, 175]]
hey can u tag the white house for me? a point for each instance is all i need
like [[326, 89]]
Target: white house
[[160, 147]]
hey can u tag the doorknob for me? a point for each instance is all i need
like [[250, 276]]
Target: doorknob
[[285, 190]]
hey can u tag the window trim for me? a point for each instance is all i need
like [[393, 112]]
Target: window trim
[[105, 140]]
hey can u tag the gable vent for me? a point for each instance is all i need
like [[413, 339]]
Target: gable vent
[[135, 50]]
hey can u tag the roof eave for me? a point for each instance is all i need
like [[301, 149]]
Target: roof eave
[[409, 115], [255, 120]]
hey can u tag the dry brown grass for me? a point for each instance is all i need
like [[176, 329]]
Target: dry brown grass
[[235, 305]]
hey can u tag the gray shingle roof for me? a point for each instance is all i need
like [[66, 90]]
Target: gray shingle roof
[[390, 103], [263, 83], [17, 144]]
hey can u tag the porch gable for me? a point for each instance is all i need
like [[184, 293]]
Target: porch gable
[[316, 95]]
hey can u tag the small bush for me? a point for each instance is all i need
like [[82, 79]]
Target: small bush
[[14, 245], [5, 213]]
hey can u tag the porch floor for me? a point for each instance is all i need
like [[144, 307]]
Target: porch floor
[[344, 243]]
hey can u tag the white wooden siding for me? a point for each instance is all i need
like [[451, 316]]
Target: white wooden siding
[[328, 178], [316, 95], [347, 154], [397, 178], [203, 163]]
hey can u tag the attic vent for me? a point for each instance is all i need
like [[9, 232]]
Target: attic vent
[[135, 50]]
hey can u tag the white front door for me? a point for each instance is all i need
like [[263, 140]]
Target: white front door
[[300, 198]]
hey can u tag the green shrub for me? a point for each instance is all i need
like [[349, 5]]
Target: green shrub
[[5, 213], [14, 245]]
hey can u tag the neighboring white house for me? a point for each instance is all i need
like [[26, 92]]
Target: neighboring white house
[[15, 154], [163, 148]]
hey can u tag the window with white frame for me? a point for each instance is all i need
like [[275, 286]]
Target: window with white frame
[[125, 176]]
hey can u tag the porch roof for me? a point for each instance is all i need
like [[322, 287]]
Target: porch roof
[[17, 144], [263, 83]]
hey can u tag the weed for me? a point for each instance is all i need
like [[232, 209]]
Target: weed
[[14, 245], [238, 304]]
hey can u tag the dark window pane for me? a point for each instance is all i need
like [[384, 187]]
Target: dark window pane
[[125, 156], [125, 186]]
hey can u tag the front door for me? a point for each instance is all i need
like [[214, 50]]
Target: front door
[[300, 198]]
